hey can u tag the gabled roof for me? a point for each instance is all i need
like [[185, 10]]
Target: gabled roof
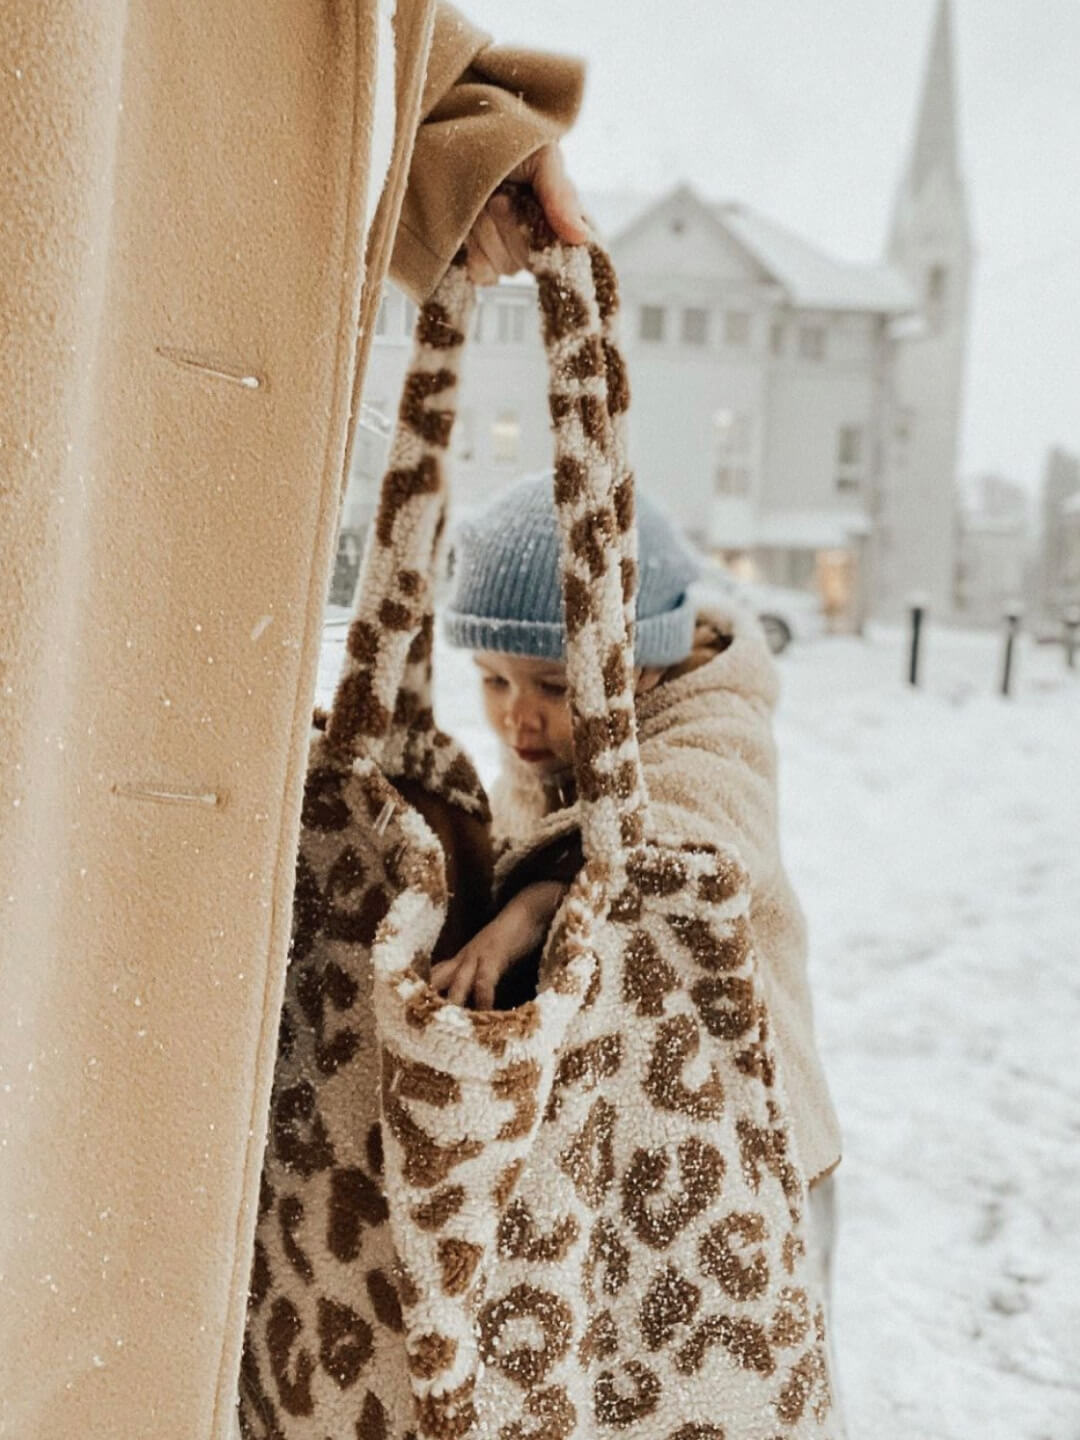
[[811, 279], [814, 280]]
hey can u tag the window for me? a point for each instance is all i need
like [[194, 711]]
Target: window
[[812, 342], [478, 320], [652, 322], [509, 323], [695, 326], [732, 440], [732, 481], [382, 316], [463, 435], [736, 327], [408, 319], [849, 457], [776, 337], [505, 438], [849, 445], [937, 285]]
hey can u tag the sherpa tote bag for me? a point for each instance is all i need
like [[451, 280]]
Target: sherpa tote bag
[[582, 1217]]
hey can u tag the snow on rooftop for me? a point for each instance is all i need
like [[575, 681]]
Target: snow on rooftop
[[813, 279]]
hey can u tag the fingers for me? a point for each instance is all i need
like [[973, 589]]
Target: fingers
[[443, 973], [557, 194], [462, 981], [488, 974], [511, 230], [479, 267]]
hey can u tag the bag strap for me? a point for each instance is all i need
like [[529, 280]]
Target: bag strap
[[383, 705]]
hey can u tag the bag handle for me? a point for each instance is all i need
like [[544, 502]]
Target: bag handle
[[382, 707]]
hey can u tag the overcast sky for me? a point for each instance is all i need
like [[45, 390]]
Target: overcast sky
[[805, 111]]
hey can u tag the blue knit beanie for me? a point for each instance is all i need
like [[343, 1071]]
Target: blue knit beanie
[[507, 590]]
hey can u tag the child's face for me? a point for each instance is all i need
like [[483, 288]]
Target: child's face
[[526, 705]]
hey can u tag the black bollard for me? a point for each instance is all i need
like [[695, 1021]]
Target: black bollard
[[1012, 629], [917, 607], [1071, 622]]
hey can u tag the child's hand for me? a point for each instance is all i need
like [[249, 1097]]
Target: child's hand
[[518, 927], [496, 245]]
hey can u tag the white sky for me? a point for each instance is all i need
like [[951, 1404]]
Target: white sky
[[805, 111]]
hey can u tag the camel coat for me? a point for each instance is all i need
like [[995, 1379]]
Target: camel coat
[[186, 302]]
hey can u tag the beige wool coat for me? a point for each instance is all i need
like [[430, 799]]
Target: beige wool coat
[[710, 770], [187, 289]]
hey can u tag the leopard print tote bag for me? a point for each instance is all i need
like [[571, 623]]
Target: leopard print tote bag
[[582, 1217]]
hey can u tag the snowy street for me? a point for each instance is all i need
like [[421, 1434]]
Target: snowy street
[[933, 839]]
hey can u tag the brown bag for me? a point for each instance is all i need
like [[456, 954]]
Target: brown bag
[[583, 1216]]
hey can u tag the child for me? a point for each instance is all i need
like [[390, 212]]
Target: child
[[705, 688]]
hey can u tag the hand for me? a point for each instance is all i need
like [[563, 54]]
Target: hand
[[518, 927], [496, 244]]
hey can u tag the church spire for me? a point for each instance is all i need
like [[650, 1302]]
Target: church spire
[[933, 162], [935, 133]]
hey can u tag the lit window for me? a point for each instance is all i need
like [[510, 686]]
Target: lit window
[[510, 323], [505, 438], [812, 342], [732, 435], [652, 322], [695, 326], [736, 327]]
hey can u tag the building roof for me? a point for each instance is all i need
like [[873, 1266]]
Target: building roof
[[811, 279], [814, 280]]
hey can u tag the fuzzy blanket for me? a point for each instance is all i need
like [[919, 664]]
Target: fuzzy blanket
[[710, 769]]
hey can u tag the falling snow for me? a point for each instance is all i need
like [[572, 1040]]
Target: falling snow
[[932, 837]]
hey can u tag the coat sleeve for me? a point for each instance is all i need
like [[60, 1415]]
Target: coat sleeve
[[485, 109], [711, 767]]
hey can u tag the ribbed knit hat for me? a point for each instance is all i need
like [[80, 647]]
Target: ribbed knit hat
[[507, 590]]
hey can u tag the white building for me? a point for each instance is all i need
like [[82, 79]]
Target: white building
[[1070, 572], [794, 412], [1058, 581], [992, 549]]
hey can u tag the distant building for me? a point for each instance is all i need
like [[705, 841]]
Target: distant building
[[1069, 591], [1059, 543], [794, 412], [993, 549]]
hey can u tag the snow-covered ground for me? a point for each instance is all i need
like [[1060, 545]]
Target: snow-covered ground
[[934, 838]]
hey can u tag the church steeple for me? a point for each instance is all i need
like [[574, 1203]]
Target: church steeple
[[932, 183], [935, 133]]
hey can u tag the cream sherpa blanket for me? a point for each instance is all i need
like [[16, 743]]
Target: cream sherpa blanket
[[710, 767]]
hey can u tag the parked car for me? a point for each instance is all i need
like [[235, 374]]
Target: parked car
[[785, 614]]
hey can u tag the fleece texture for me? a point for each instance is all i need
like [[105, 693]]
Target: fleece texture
[[585, 1215], [710, 769], [186, 302]]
